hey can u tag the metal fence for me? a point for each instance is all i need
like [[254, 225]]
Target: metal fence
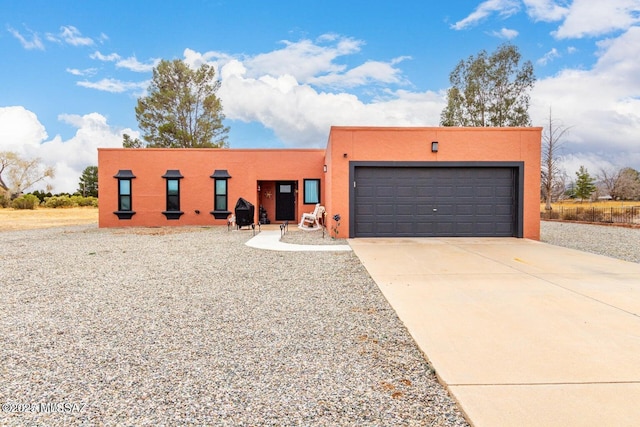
[[620, 215]]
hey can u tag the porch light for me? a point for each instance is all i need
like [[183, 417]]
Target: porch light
[[434, 147]]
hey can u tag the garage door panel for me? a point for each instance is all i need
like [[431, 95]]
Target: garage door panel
[[425, 210], [435, 201], [444, 191], [405, 210], [385, 210], [365, 209], [387, 228], [403, 190], [385, 191], [502, 228], [464, 191], [444, 229], [504, 210], [465, 228], [404, 228], [423, 191], [423, 229]]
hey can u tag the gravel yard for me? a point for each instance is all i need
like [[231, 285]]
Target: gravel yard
[[153, 327], [616, 242]]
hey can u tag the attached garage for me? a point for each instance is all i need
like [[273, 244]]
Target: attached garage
[[436, 199]]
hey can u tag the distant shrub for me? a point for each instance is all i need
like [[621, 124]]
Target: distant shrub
[[58, 202], [66, 201], [41, 195], [26, 201], [84, 201], [4, 201]]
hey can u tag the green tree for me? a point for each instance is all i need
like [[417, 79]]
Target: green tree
[[88, 185], [127, 142], [585, 184], [18, 174], [490, 90], [182, 109]]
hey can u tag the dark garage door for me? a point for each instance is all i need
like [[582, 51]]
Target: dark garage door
[[435, 201]]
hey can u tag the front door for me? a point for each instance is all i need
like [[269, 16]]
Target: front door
[[285, 201]]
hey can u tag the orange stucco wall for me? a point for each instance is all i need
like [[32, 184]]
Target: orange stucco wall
[[347, 144], [250, 168], [246, 167]]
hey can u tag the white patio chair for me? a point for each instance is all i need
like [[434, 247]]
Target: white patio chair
[[310, 221]]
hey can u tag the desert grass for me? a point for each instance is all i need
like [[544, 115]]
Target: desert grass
[[25, 219]]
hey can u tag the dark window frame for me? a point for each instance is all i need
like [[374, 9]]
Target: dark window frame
[[221, 202], [304, 187], [125, 175], [219, 211], [172, 205]]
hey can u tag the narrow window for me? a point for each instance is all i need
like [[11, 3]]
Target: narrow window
[[311, 191], [125, 205], [173, 195], [173, 178], [220, 194], [124, 195]]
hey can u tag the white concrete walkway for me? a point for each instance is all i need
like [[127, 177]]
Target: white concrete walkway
[[270, 240]]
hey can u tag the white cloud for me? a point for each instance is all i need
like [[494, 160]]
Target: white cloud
[[279, 89], [107, 58], [548, 57], [70, 157], [20, 131], [602, 104], [33, 43], [304, 59], [371, 72], [130, 63], [85, 72], [301, 116], [114, 85], [587, 18], [546, 10], [133, 64], [504, 8], [506, 33], [71, 35]]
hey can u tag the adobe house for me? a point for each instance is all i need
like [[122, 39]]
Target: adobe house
[[383, 181]]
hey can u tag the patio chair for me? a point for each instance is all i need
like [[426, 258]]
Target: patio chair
[[310, 221]]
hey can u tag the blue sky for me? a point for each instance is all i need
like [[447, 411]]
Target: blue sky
[[73, 70]]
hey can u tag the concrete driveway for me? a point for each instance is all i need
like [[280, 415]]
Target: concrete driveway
[[521, 332]]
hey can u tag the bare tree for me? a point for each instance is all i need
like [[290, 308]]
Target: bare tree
[[629, 184], [608, 179], [621, 184], [552, 175], [18, 174]]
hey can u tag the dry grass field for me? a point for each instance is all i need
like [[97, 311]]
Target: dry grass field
[[23, 219], [598, 204]]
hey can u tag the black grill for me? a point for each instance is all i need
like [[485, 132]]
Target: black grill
[[244, 212]]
